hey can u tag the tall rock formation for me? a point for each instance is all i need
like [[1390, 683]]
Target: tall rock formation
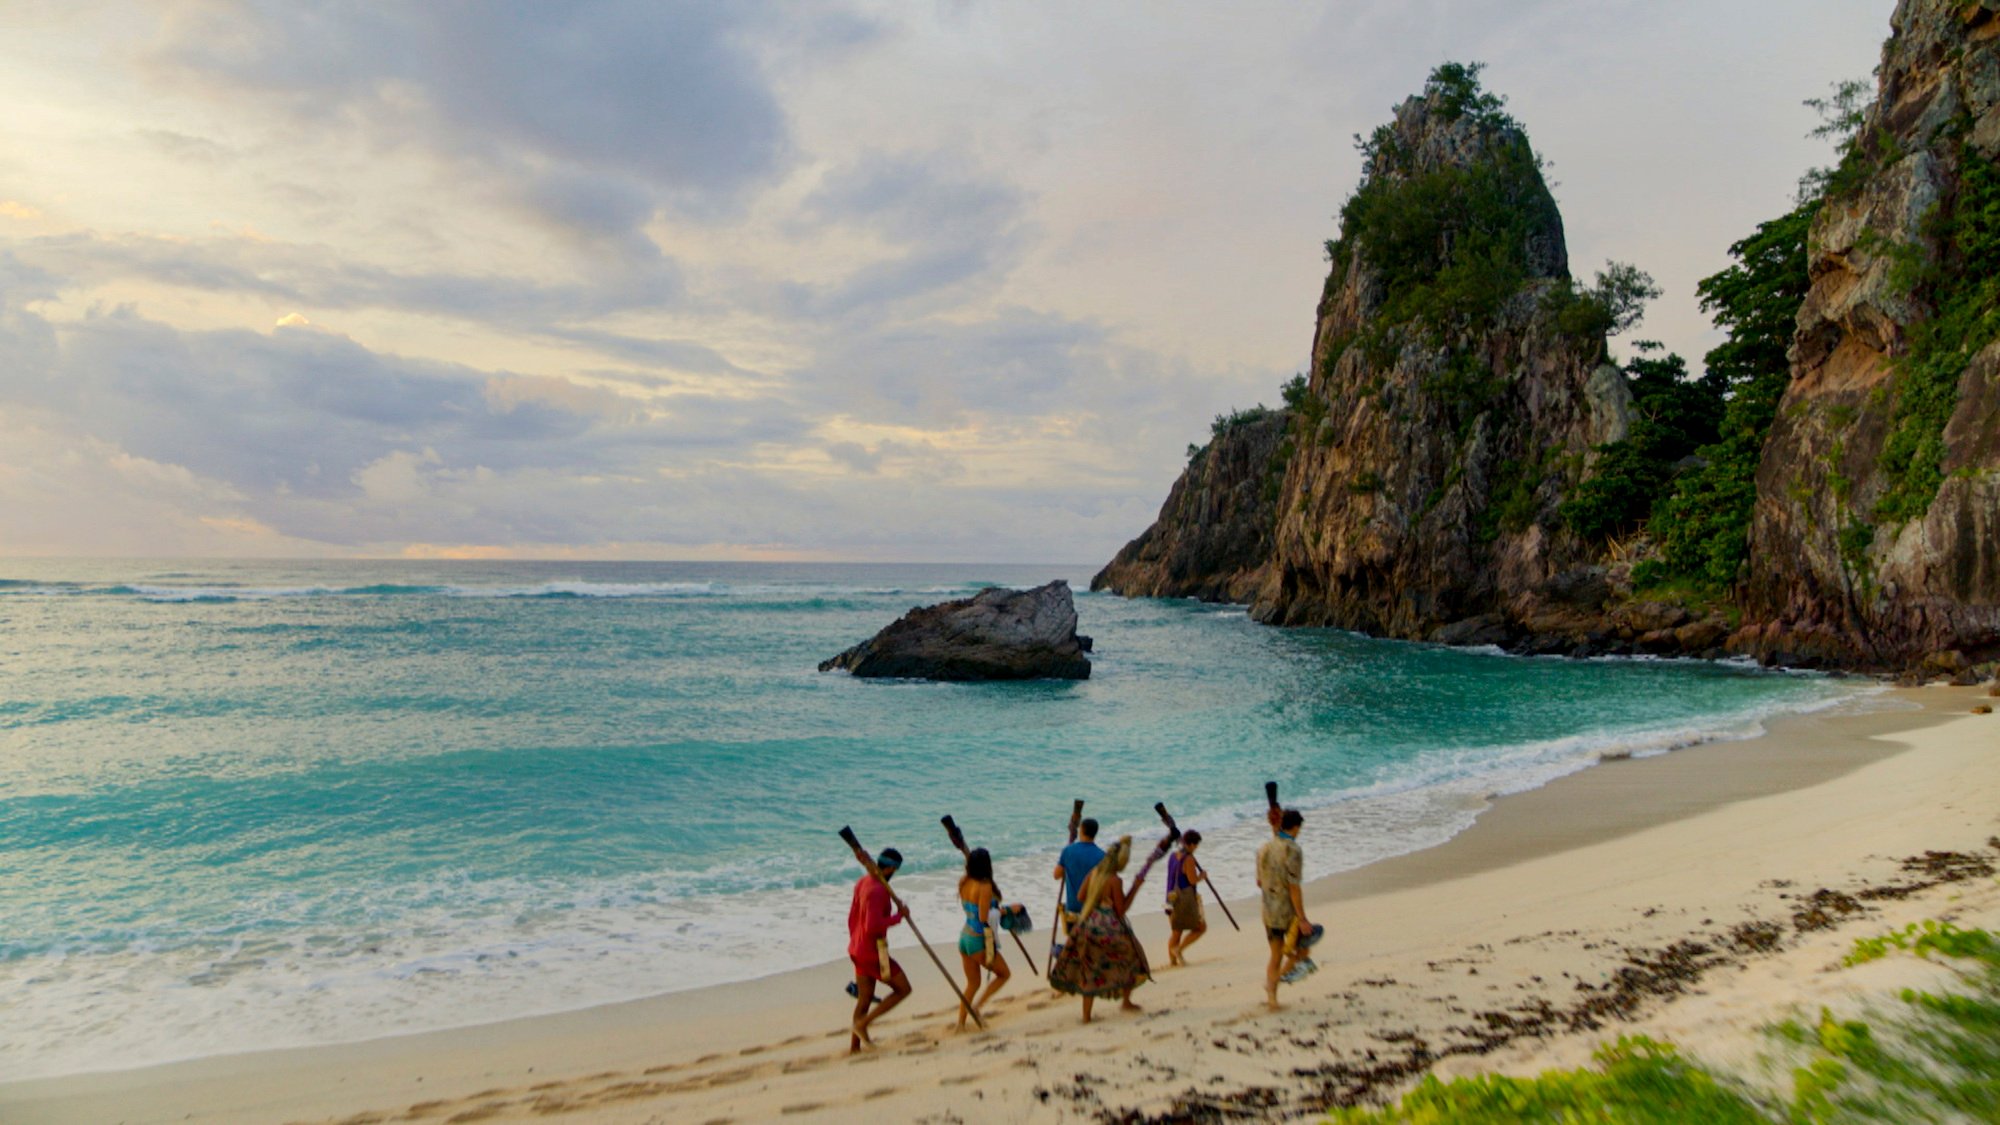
[[1875, 540], [1457, 392], [1213, 538]]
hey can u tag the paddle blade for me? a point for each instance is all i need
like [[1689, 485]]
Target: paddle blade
[[1271, 793], [847, 834]]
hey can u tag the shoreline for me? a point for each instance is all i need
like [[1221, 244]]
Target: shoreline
[[1605, 804]]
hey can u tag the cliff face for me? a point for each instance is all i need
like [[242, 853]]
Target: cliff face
[[1875, 540], [1213, 538], [1457, 393], [1438, 437]]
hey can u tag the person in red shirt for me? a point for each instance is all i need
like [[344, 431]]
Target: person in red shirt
[[868, 922]]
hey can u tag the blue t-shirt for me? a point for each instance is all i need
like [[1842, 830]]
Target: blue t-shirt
[[1077, 862]]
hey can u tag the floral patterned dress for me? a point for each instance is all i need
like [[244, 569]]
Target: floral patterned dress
[[1102, 957]]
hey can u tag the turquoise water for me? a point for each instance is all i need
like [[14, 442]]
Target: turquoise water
[[252, 804]]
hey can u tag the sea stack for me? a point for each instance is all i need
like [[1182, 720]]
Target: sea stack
[[1457, 393], [997, 634]]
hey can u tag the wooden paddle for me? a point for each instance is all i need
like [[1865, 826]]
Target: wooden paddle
[[1159, 852], [1161, 808], [958, 841], [867, 861], [1274, 813], [1062, 885]]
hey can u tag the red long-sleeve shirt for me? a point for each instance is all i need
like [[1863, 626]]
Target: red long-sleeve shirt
[[869, 917]]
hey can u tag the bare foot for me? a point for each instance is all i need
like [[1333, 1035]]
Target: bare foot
[[1129, 1006]]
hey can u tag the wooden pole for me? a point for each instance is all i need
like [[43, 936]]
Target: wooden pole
[[1161, 808], [868, 862], [958, 841], [1159, 852], [1062, 885]]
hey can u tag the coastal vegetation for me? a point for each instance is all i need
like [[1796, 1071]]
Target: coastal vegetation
[[1962, 283], [1672, 417], [1931, 1055], [1702, 528]]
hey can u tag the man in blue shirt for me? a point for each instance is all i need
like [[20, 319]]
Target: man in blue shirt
[[1077, 862]]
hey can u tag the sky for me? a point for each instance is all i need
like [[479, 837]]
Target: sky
[[950, 281]]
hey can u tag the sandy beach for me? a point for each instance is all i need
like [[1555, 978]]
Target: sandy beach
[[1499, 950]]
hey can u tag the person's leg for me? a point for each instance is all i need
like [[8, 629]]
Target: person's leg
[[899, 990], [1125, 1003], [971, 965], [1271, 972], [864, 989], [1173, 947], [1000, 973], [1087, 1001], [1193, 936]]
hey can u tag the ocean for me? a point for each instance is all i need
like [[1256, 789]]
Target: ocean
[[253, 804]]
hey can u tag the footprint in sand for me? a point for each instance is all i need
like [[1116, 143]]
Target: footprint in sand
[[881, 1092], [802, 1107]]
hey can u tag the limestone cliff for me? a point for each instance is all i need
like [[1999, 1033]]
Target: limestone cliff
[[1458, 391], [1213, 538], [1451, 405], [1875, 540]]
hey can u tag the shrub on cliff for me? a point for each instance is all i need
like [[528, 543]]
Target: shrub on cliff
[[1963, 284], [1703, 528], [1448, 244], [1672, 416]]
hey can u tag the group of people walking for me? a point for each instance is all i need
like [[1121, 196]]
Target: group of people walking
[[1094, 952]]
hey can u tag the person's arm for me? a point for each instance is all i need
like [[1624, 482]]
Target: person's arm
[[1191, 871], [1115, 891], [986, 922], [1295, 871]]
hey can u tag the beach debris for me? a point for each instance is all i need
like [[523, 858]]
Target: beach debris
[[997, 634], [1982, 709], [1757, 937], [1822, 909]]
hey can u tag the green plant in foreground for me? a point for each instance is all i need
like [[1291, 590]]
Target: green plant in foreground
[[1927, 937], [1637, 1080], [1935, 1058]]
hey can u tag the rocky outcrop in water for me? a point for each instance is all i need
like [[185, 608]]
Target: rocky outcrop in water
[[1875, 541], [997, 634], [1213, 538]]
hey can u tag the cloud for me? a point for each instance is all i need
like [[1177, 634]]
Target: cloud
[[948, 222], [591, 115]]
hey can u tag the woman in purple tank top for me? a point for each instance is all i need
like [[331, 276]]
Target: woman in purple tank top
[[1184, 912]]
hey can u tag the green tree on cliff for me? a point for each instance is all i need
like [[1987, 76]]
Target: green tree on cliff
[[1703, 529]]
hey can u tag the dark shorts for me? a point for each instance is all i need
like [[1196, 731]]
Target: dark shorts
[[1279, 933]]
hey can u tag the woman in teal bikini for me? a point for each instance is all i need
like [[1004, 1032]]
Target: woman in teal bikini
[[979, 941]]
